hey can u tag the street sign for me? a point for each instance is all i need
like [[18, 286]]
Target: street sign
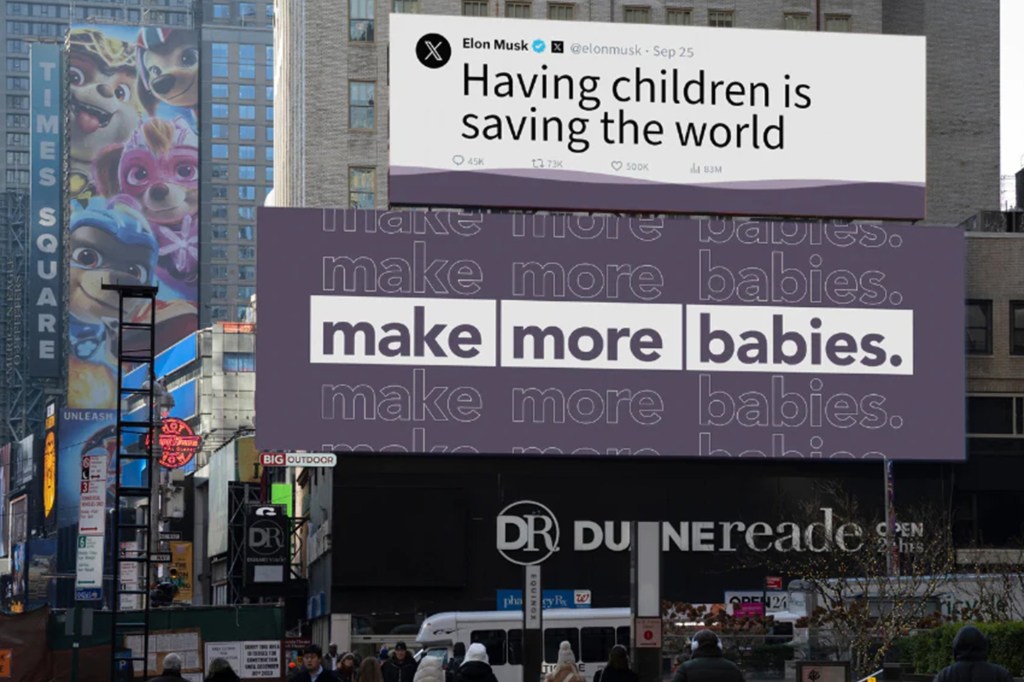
[[648, 633], [160, 557], [298, 459], [170, 535], [773, 582]]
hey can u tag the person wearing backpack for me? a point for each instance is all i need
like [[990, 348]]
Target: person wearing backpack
[[970, 653]]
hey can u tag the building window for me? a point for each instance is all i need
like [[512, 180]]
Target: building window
[[246, 132], [221, 11], [269, 93], [636, 15], [220, 151], [1017, 327], [518, 10], [561, 11], [675, 16], [239, 362], [720, 18], [219, 252], [247, 112], [247, 212], [245, 233], [17, 177], [219, 131], [247, 193], [220, 231], [15, 64], [246, 92], [796, 21], [219, 291], [246, 292], [219, 271], [979, 327], [247, 172], [360, 105], [220, 60], [220, 110], [17, 158], [17, 139], [268, 173], [247, 253], [17, 120], [268, 153], [219, 312], [838, 23], [219, 171], [219, 211], [220, 192], [406, 7], [247, 61], [268, 115], [220, 90], [17, 102], [247, 273], [360, 20], [362, 187], [17, 83], [474, 8], [247, 10], [268, 133]]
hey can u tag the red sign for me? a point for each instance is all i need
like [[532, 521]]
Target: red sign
[[773, 582], [178, 443], [648, 633]]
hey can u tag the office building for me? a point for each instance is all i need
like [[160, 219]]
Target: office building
[[237, 150]]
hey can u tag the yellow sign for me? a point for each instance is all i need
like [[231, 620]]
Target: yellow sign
[[181, 570], [49, 473], [5, 662]]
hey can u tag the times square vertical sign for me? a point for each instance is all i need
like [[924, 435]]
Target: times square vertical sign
[[44, 280]]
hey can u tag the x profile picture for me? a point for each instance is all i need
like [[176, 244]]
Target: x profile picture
[[433, 50]]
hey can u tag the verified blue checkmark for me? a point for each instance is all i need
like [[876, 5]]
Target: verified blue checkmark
[[538, 45]]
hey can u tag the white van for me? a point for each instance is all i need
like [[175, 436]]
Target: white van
[[591, 632]]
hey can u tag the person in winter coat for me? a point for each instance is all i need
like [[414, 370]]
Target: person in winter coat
[[429, 670], [565, 670], [346, 668], [458, 656], [970, 651], [617, 669], [476, 667], [221, 671], [369, 671], [313, 669], [707, 664], [171, 669], [400, 667]]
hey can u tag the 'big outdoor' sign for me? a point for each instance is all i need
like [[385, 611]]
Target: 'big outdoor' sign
[[598, 335]]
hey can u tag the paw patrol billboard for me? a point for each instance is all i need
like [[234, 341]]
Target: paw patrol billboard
[[133, 192]]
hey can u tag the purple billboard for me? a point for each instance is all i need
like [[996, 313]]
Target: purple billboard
[[601, 335]]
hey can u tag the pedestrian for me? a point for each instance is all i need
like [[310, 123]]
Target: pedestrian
[[706, 663], [313, 669], [345, 671], [429, 670], [400, 666], [476, 667], [970, 653], [331, 657], [369, 671], [171, 669], [458, 656], [617, 669], [565, 670], [221, 671]]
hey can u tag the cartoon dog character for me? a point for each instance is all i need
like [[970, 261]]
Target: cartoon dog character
[[108, 243], [104, 105], [168, 68], [159, 169]]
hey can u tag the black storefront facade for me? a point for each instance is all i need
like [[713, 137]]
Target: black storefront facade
[[419, 535]]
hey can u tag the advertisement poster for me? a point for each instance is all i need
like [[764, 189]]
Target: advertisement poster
[[596, 116], [540, 335], [5, 470], [45, 290], [181, 570], [134, 192], [42, 572], [18, 510], [50, 468]]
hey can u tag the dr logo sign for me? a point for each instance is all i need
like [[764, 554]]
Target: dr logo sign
[[528, 533]]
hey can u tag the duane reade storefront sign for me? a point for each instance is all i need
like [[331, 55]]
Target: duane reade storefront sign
[[596, 335], [528, 532]]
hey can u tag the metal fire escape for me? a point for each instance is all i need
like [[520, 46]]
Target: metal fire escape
[[135, 512]]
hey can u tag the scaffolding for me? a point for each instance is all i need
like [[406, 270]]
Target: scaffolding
[[22, 397]]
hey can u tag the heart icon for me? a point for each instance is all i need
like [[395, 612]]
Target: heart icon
[[616, 165], [458, 159]]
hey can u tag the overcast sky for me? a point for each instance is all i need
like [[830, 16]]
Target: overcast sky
[[1011, 58]]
